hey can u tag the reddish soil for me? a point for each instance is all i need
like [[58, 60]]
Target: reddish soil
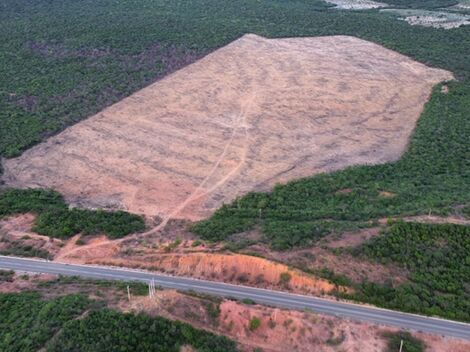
[[16, 231], [280, 330], [252, 114], [323, 256], [235, 268]]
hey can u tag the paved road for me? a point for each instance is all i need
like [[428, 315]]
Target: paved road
[[275, 298]]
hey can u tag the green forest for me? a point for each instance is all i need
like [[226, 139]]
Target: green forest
[[437, 258], [75, 323], [65, 60], [56, 219]]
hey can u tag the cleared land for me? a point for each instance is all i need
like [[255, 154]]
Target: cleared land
[[437, 19], [252, 114], [356, 4]]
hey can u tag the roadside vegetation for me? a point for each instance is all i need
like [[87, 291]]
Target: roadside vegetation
[[410, 343], [437, 258], [56, 219], [75, 323]]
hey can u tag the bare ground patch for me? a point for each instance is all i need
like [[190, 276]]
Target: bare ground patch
[[437, 19], [252, 114], [356, 4]]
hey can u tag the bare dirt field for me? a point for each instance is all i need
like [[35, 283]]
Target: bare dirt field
[[252, 114], [437, 19], [356, 4]]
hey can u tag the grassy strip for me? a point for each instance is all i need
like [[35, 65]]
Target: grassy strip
[[56, 219], [137, 288], [28, 323]]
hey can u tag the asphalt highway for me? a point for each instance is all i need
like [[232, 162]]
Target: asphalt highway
[[270, 297]]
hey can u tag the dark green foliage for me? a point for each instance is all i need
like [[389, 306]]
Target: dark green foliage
[[55, 219], [466, 211], [337, 279], [62, 61], [107, 330], [65, 223], [219, 228], [136, 288], [69, 63], [28, 323], [410, 343], [6, 275], [31, 200], [438, 259], [255, 323], [433, 175]]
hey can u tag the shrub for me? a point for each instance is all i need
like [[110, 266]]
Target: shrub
[[55, 219], [284, 278], [410, 343], [255, 323]]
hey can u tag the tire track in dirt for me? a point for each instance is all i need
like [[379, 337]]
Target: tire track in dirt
[[199, 191]]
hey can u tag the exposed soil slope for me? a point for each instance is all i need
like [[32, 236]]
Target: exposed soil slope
[[252, 114]]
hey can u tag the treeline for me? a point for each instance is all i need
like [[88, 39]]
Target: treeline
[[70, 63], [54, 81], [438, 260], [74, 323], [56, 219], [432, 176]]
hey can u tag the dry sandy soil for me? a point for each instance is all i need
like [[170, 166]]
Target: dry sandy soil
[[436, 19], [356, 4], [251, 114]]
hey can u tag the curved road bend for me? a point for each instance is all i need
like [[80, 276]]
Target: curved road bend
[[274, 298]]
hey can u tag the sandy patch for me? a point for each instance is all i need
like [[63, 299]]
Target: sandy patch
[[356, 4], [252, 114], [463, 4], [436, 19]]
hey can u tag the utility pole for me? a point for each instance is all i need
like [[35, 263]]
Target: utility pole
[[401, 345], [128, 293]]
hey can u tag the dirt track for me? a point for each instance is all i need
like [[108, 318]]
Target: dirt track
[[252, 114]]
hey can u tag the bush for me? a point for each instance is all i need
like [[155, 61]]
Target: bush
[[437, 258], [6, 275], [29, 323], [284, 278], [410, 343], [255, 323], [55, 219]]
